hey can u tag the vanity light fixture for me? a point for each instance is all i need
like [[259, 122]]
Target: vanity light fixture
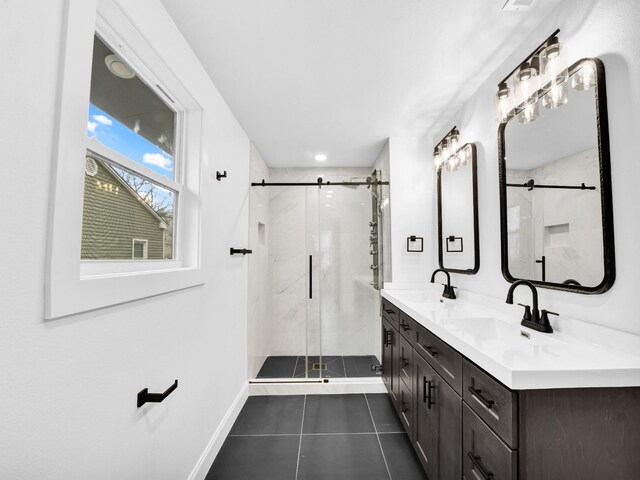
[[544, 74], [503, 103], [555, 73], [448, 154]]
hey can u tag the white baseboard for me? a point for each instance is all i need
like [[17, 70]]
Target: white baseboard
[[201, 469]]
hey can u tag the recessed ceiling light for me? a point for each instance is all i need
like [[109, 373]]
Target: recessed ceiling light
[[117, 66], [320, 157]]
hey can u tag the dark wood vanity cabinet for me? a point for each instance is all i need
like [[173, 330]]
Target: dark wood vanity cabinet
[[465, 424], [390, 363], [437, 424]]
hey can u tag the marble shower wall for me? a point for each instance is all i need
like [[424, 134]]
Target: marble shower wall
[[563, 225]]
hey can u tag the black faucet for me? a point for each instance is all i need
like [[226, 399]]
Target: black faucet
[[531, 319], [448, 289]]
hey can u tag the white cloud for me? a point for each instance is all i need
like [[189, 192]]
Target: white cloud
[[102, 119], [91, 126], [158, 160]]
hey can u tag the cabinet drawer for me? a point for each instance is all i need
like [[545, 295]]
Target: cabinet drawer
[[390, 312], [405, 359], [492, 401], [444, 359], [406, 326], [405, 408], [484, 455]]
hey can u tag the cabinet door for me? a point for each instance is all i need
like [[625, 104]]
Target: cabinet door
[[425, 428], [438, 423], [390, 361], [395, 367], [449, 409]]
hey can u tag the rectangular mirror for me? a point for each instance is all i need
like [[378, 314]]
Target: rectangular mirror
[[458, 243], [555, 189]]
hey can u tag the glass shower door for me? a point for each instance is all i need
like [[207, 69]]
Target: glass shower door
[[347, 299]]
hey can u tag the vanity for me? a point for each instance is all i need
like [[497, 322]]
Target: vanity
[[482, 397]]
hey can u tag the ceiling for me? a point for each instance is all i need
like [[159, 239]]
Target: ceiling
[[341, 76]]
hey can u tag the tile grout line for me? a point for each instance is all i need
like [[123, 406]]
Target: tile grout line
[[304, 406], [377, 436], [295, 367]]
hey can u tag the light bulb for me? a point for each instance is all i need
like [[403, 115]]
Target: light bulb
[[437, 159], [527, 84], [453, 139], [444, 151], [503, 103], [553, 63]]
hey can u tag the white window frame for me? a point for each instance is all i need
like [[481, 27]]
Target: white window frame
[[72, 285], [145, 247]]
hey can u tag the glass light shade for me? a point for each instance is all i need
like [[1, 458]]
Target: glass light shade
[[556, 96], [585, 78], [503, 103], [529, 113], [452, 140], [465, 155], [437, 159], [444, 151], [553, 63], [527, 85], [452, 163]]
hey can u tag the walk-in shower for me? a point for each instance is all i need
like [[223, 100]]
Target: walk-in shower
[[314, 295]]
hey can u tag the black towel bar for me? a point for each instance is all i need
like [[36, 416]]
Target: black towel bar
[[144, 396], [243, 251]]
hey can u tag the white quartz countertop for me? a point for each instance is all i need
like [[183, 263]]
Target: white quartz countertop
[[493, 340]]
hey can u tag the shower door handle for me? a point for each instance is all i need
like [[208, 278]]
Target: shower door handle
[[310, 277]]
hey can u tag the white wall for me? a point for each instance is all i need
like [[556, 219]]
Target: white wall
[[258, 335], [604, 29], [68, 386], [412, 209]]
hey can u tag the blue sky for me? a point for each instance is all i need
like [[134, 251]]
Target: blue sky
[[122, 139], [125, 141]]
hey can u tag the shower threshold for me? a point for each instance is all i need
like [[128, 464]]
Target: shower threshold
[[331, 366]]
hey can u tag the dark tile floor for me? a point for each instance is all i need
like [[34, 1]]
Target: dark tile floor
[[317, 437], [336, 366]]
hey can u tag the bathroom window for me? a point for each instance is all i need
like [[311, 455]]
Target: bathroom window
[[132, 139], [125, 211]]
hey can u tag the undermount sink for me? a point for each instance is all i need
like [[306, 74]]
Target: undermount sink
[[492, 329]]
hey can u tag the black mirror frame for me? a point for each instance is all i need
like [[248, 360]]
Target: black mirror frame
[[606, 201], [476, 233]]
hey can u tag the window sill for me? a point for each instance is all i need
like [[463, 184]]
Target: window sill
[[92, 292]]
